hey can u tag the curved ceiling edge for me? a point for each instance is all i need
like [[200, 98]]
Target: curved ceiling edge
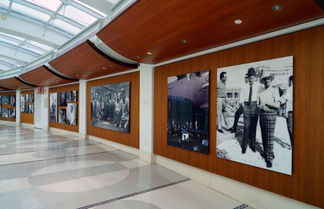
[[55, 72], [25, 82], [2, 87], [110, 57]]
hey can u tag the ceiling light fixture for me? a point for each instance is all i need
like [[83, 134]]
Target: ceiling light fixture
[[104, 68], [184, 41], [238, 21], [149, 53], [277, 8]]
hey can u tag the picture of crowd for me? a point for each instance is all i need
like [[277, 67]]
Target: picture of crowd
[[10, 110], [110, 106], [188, 111], [63, 107], [53, 107], [24, 106], [255, 114]]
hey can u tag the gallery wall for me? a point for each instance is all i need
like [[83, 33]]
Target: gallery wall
[[7, 106], [130, 138], [68, 88], [306, 47], [27, 117]]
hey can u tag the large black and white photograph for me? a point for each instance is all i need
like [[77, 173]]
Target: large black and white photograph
[[62, 116], [53, 107], [110, 106], [74, 96], [188, 111], [12, 100], [22, 102], [71, 114], [30, 109], [255, 114], [62, 98], [5, 113], [12, 113], [5, 99]]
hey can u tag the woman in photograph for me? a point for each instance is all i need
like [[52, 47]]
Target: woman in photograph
[[269, 103]]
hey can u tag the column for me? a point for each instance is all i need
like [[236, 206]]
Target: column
[[18, 115], [146, 112], [83, 108], [41, 115]]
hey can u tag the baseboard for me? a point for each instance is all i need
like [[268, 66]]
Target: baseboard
[[61, 131], [27, 125], [115, 145], [253, 196], [146, 156]]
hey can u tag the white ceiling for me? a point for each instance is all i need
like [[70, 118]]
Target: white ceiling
[[32, 29]]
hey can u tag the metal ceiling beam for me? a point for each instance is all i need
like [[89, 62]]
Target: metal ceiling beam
[[18, 48]]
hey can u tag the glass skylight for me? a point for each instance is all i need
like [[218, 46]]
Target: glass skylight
[[66, 26], [93, 9], [43, 46], [77, 15], [30, 12], [4, 3], [49, 4], [15, 43]]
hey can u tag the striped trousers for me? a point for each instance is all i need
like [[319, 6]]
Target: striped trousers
[[251, 114], [268, 124]]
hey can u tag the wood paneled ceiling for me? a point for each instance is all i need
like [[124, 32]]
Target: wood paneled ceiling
[[84, 62], [13, 83], [170, 29], [42, 77]]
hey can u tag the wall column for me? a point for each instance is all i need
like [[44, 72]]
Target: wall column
[[41, 101], [146, 112], [83, 108], [18, 114]]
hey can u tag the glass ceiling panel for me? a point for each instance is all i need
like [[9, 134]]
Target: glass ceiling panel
[[15, 43], [65, 26], [49, 4], [77, 15], [37, 51], [30, 12], [47, 48], [4, 35], [4, 3], [93, 9]]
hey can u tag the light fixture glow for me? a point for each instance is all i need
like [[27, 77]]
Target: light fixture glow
[[238, 21], [277, 7], [149, 53]]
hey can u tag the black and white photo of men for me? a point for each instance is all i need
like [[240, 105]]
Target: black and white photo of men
[[68, 96], [12, 100], [12, 113], [254, 104], [31, 109], [26, 108], [22, 102], [188, 111], [62, 98], [62, 116], [71, 114], [5, 112], [5, 99], [110, 106], [74, 96], [53, 107], [30, 98]]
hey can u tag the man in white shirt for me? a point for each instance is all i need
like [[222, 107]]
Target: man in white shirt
[[249, 97], [221, 94], [289, 107]]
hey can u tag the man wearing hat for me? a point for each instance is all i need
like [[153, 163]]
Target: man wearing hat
[[249, 97], [269, 103]]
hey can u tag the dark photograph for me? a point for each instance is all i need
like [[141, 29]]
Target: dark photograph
[[68, 96], [30, 98], [62, 116], [31, 109], [12, 101], [188, 111], [254, 114], [53, 107], [110, 106], [26, 108], [5, 99], [12, 112], [5, 113], [74, 96], [71, 114], [62, 98]]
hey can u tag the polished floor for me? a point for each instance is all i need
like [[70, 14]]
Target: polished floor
[[58, 171]]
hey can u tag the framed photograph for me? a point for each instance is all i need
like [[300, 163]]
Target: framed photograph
[[5, 99], [26, 108], [62, 98], [22, 102], [31, 109], [12, 99], [53, 107], [68, 96], [110, 106], [188, 111], [71, 114], [31, 98], [12, 113], [5, 112], [74, 96], [62, 115], [254, 114]]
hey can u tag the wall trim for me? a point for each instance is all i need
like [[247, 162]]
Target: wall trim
[[62, 131], [281, 32]]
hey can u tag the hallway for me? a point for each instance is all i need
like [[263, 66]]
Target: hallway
[[54, 170]]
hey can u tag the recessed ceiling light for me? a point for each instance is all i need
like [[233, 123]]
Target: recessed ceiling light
[[138, 57], [149, 53], [104, 68], [184, 41], [238, 21], [277, 8], [77, 75]]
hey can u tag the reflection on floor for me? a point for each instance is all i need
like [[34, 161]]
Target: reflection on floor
[[47, 171]]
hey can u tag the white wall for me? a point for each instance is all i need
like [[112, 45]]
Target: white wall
[[82, 108], [18, 115]]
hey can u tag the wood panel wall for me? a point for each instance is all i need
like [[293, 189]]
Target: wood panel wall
[[27, 117], [8, 106], [306, 182], [60, 125], [131, 138]]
